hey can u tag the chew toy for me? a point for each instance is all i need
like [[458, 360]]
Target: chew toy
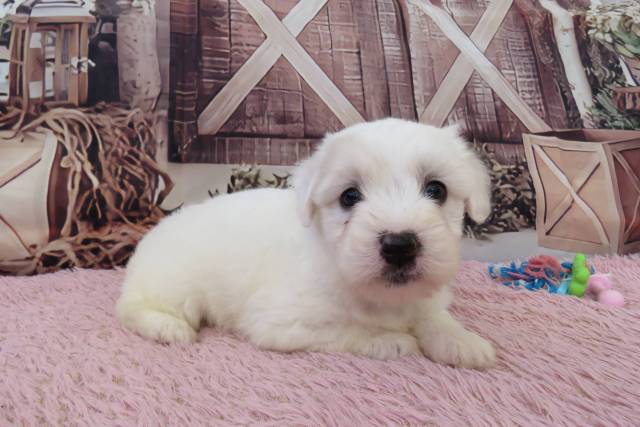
[[579, 276], [567, 278], [600, 287]]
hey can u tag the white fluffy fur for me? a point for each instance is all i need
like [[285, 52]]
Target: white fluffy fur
[[292, 270]]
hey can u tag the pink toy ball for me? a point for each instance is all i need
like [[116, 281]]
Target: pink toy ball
[[599, 283], [611, 298]]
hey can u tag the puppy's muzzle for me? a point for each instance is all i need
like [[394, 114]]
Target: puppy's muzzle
[[399, 249]]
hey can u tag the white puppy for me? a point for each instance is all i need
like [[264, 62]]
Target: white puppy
[[355, 258]]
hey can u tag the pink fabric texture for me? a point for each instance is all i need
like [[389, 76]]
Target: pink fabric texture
[[563, 361]]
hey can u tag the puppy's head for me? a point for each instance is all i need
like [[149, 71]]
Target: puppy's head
[[388, 199]]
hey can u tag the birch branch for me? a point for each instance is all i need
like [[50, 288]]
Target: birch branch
[[564, 33]]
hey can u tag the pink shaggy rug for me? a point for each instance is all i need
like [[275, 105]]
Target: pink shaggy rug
[[562, 361]]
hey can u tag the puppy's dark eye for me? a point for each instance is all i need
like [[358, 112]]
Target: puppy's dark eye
[[435, 190], [350, 197]]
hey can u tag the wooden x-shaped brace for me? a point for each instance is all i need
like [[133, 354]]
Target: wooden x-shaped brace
[[472, 57], [281, 41], [572, 195], [635, 182]]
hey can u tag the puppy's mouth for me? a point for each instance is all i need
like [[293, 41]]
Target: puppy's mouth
[[397, 277]]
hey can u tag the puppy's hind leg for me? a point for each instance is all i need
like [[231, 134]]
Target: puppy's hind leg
[[153, 324]]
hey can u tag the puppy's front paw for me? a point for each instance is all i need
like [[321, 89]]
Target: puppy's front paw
[[460, 348], [391, 345]]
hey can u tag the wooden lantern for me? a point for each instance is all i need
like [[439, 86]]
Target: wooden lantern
[[48, 53], [587, 189]]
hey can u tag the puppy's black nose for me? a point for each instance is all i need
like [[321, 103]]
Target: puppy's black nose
[[399, 249]]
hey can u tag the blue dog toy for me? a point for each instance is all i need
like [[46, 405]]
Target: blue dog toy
[[542, 272]]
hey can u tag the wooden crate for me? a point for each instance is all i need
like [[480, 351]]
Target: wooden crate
[[262, 81], [31, 182], [587, 189]]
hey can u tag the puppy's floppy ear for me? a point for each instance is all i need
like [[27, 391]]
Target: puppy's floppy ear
[[478, 200], [304, 182], [456, 130], [478, 203]]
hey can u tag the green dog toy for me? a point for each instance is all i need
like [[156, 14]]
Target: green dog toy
[[579, 276]]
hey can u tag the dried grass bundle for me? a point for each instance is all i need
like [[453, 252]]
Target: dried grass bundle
[[513, 199], [113, 186], [247, 177]]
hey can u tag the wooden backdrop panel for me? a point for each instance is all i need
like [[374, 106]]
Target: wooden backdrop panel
[[519, 49], [316, 37], [386, 57], [184, 73], [360, 46]]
